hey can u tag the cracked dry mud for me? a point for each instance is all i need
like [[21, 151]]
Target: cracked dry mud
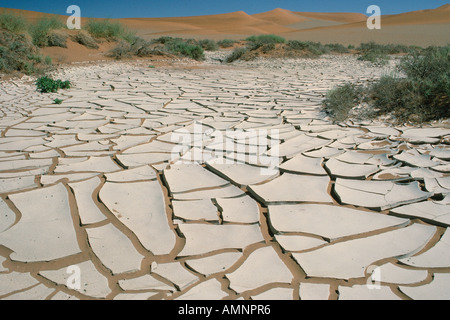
[[213, 182]]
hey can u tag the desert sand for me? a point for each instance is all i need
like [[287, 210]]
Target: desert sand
[[423, 28], [206, 181]]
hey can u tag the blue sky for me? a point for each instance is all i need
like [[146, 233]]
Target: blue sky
[[174, 8]]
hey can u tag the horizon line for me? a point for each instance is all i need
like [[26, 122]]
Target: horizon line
[[214, 14]]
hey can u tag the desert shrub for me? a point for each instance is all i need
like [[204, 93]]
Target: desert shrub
[[145, 49], [208, 45], [41, 31], [84, 38], [56, 38], [336, 47], [185, 49], [340, 100], [425, 92], [105, 29], [164, 39], [226, 43], [120, 51], [376, 57], [311, 49], [48, 60], [430, 63], [237, 54], [57, 101], [12, 22], [255, 42], [17, 53], [421, 94], [379, 53], [47, 84]]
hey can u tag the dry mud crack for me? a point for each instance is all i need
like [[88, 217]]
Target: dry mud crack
[[212, 182]]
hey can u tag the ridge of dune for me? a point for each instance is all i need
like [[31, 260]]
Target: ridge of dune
[[343, 17], [429, 16], [234, 22], [280, 16]]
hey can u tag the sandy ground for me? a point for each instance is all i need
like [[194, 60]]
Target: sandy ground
[[204, 181]]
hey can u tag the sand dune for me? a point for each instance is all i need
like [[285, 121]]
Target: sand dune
[[423, 27]]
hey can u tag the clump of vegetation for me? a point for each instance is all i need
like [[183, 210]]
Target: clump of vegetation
[[379, 53], [308, 48], [419, 93], [340, 100], [44, 35], [46, 84], [84, 38], [161, 46], [185, 49], [258, 41], [237, 54], [57, 101], [109, 31], [226, 43], [17, 53], [120, 51], [13, 23], [208, 45]]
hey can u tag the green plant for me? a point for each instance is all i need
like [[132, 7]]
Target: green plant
[[56, 38], [309, 48], [421, 93], [46, 84], [180, 47], [378, 58], [41, 35], [340, 100], [226, 43], [48, 60], [17, 53], [57, 101], [336, 47], [237, 54], [84, 38], [208, 45], [255, 42], [12, 22], [105, 29], [120, 51]]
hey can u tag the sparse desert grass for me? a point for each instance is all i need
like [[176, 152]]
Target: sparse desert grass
[[17, 53], [340, 100], [12, 22], [120, 51], [161, 46], [419, 93], [266, 38], [237, 54], [84, 38], [43, 35], [278, 47], [208, 45], [379, 53], [226, 43], [185, 49], [109, 31]]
